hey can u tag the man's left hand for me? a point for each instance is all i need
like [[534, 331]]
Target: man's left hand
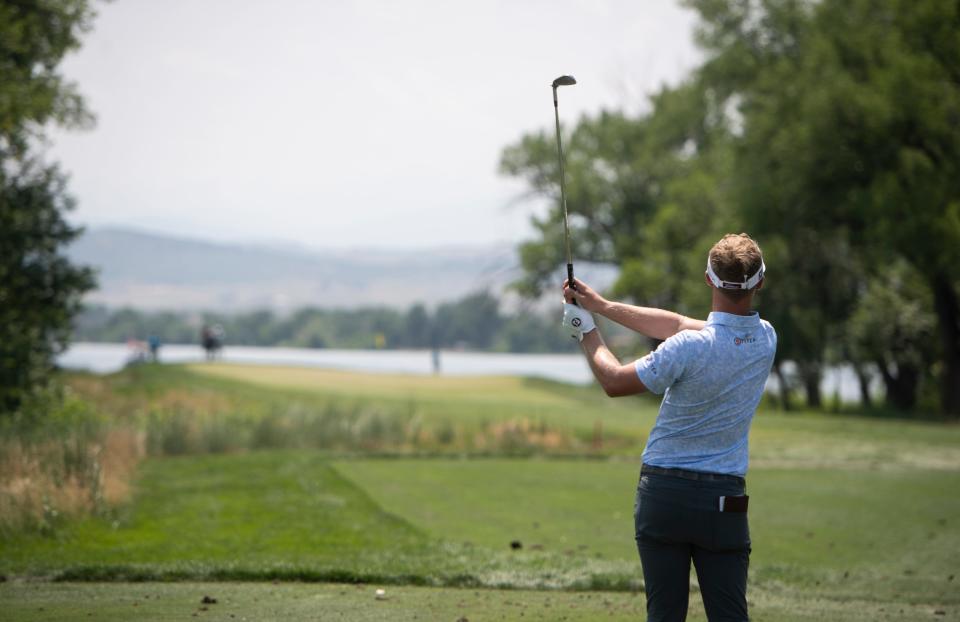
[[577, 320]]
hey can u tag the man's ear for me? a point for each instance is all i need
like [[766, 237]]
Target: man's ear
[[759, 285], [706, 279]]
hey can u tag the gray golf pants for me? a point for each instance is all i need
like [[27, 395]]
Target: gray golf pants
[[677, 520]]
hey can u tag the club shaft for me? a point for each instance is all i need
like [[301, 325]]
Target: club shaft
[[563, 191], [563, 185]]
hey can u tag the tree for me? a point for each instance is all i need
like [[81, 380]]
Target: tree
[[418, 330], [851, 110], [39, 289], [829, 130], [471, 321], [643, 192], [894, 328]]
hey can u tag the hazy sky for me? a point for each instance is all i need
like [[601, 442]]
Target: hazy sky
[[344, 124]]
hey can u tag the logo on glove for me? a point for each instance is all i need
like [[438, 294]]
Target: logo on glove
[[576, 322]]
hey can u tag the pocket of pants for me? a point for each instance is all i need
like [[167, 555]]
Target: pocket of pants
[[657, 520], [731, 531]]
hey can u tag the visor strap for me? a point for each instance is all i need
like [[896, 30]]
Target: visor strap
[[749, 283]]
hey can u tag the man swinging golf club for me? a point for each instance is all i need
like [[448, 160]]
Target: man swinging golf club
[[691, 501]]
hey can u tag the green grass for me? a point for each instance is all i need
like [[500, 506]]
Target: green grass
[[852, 518], [578, 508], [259, 601], [69, 602], [834, 533], [284, 515], [258, 513], [467, 402], [795, 440]]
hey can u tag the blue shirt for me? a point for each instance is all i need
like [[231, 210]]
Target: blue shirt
[[712, 381]]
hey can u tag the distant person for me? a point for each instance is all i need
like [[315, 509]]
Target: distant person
[[137, 352], [435, 359], [153, 342], [691, 502], [211, 338]]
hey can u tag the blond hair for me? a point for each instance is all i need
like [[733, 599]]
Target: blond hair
[[736, 257]]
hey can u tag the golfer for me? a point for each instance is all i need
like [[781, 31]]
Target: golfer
[[691, 502]]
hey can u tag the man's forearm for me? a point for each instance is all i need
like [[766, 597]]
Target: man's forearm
[[616, 379], [602, 361], [655, 323]]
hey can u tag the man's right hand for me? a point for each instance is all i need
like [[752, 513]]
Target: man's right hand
[[585, 297]]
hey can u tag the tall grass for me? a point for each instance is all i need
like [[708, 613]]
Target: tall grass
[[342, 426], [77, 454], [68, 461]]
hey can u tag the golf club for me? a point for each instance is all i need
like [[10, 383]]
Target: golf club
[[563, 81]]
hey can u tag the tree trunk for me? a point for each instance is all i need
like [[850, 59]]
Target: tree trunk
[[863, 379], [901, 387], [784, 387], [811, 376], [948, 315]]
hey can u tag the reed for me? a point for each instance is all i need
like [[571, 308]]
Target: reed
[[65, 463]]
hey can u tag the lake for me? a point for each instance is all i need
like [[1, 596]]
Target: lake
[[110, 357]]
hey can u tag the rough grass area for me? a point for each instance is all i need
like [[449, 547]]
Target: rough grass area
[[594, 424], [70, 463], [474, 414]]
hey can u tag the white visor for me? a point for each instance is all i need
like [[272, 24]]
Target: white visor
[[745, 284]]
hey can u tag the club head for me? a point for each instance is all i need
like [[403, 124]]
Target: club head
[[564, 81]]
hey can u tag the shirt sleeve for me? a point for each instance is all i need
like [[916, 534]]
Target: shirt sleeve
[[660, 369]]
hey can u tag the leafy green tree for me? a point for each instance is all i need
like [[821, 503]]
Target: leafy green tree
[[472, 321], [39, 289], [418, 330], [828, 130], [643, 192], [850, 113], [894, 328]]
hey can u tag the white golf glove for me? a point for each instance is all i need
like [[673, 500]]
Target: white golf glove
[[577, 320]]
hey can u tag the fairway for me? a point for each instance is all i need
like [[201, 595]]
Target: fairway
[[821, 531], [579, 508]]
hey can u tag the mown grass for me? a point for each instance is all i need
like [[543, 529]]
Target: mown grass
[[245, 513], [284, 515], [259, 601], [312, 475], [829, 532], [68, 602]]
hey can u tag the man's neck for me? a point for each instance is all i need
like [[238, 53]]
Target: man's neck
[[723, 304]]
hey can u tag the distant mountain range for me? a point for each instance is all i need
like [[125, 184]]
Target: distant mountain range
[[151, 272]]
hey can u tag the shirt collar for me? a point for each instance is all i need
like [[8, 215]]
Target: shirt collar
[[730, 319]]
